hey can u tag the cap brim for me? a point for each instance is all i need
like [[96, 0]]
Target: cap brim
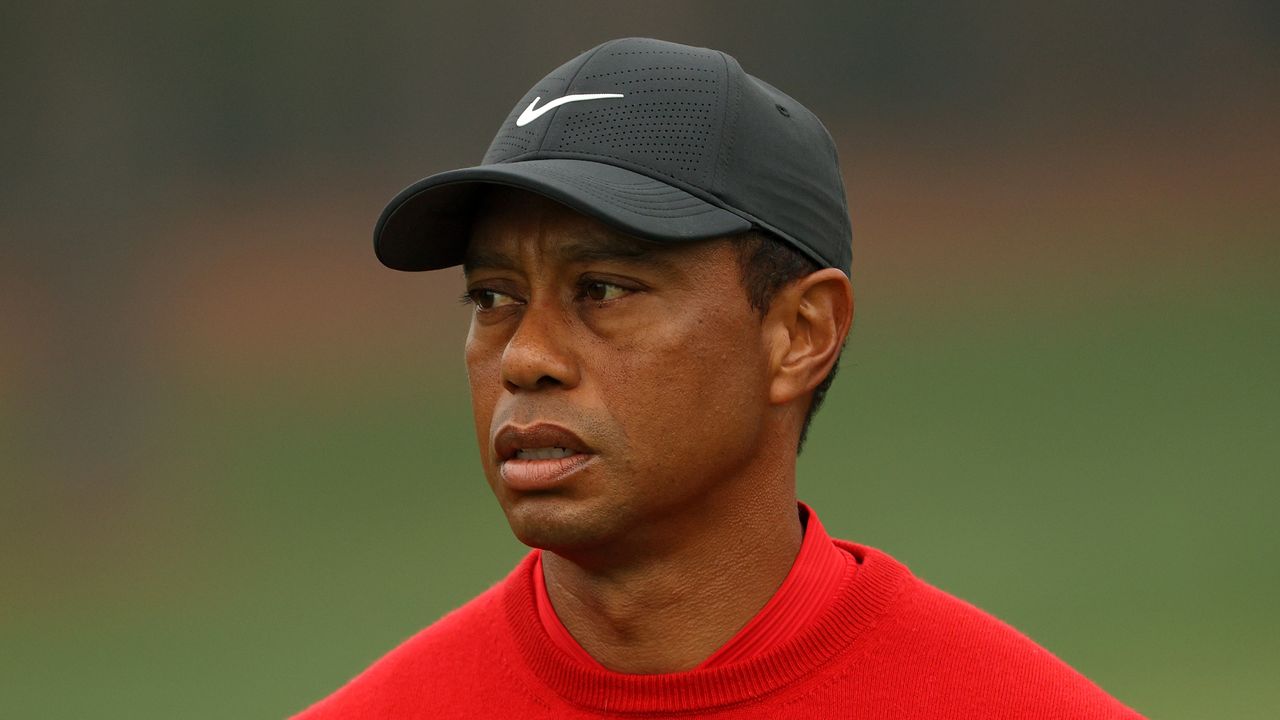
[[426, 226]]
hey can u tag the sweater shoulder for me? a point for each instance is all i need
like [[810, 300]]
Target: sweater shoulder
[[963, 651], [397, 683]]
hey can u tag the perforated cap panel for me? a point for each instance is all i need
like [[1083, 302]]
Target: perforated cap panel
[[667, 122]]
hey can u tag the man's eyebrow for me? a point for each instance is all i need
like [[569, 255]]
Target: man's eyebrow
[[592, 247]]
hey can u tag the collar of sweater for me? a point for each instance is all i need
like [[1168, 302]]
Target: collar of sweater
[[858, 604], [819, 570]]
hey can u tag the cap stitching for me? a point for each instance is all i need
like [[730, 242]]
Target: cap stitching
[[678, 182], [546, 131], [694, 55], [648, 69], [658, 52], [647, 186], [637, 198], [729, 128], [669, 90], [637, 206]]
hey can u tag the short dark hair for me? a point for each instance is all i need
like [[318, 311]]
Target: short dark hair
[[767, 265]]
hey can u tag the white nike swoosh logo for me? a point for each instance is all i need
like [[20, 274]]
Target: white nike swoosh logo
[[531, 113]]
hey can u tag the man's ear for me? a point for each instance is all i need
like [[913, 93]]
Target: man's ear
[[806, 326]]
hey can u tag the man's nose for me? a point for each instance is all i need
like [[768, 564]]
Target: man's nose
[[538, 354]]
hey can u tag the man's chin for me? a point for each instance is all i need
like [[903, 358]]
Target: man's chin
[[558, 525]]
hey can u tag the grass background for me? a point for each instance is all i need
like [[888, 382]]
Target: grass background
[[236, 463]]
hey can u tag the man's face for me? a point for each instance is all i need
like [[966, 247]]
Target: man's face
[[619, 387]]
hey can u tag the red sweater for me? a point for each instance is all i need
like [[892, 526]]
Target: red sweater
[[890, 646]]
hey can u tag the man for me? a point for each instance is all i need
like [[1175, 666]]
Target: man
[[657, 249]]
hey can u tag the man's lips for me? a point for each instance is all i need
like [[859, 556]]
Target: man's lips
[[512, 439], [539, 456]]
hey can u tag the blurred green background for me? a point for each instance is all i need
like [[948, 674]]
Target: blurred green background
[[236, 463]]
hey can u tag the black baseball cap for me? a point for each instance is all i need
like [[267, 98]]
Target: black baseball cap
[[665, 142]]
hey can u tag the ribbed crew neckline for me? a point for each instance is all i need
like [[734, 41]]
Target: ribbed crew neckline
[[859, 603], [814, 582]]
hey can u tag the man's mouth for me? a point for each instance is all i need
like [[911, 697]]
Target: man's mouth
[[539, 456], [551, 453]]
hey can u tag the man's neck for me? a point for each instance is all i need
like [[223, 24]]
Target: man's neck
[[667, 613]]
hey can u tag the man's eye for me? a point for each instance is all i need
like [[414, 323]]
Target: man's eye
[[489, 299], [600, 291]]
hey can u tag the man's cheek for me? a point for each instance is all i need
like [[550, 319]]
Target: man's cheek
[[484, 368], [485, 384]]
